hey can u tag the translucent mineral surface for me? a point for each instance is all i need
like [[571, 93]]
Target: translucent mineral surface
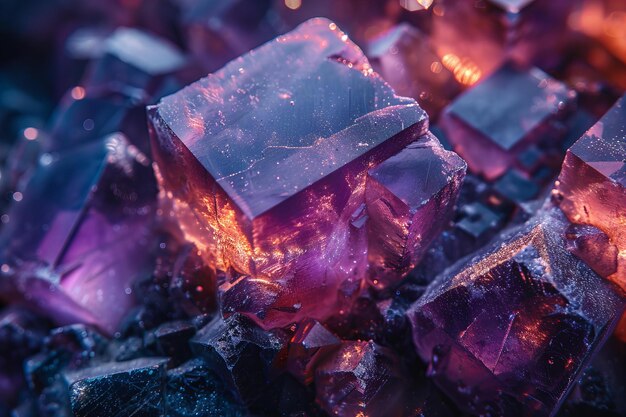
[[283, 154], [592, 184], [492, 137]]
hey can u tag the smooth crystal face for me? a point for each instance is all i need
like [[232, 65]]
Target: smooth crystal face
[[414, 187], [492, 137], [84, 223], [592, 184], [134, 388], [509, 332], [267, 163]]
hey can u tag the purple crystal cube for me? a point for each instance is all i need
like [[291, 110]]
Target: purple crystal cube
[[492, 124], [592, 184], [271, 155], [403, 195], [80, 236], [476, 37], [406, 60], [507, 331], [360, 378]]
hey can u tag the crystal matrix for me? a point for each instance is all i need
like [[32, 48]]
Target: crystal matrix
[[276, 149], [507, 332]]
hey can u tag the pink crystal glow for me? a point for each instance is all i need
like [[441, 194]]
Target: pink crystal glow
[[591, 187], [285, 187]]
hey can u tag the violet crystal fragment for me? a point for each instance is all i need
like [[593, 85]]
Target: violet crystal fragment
[[280, 149], [592, 185], [81, 236], [508, 333]]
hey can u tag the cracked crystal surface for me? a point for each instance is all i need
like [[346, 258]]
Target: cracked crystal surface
[[275, 150]]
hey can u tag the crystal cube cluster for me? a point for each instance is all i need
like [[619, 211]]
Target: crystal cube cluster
[[383, 208], [297, 179]]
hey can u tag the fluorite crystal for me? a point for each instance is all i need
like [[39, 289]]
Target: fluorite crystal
[[507, 331], [592, 185], [80, 237], [493, 138], [134, 388], [405, 59], [283, 153]]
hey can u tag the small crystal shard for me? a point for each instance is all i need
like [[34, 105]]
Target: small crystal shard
[[276, 173], [415, 202], [507, 333], [134, 388], [592, 184], [244, 355], [360, 378], [512, 110]]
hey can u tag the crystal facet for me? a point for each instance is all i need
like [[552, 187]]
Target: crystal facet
[[491, 137], [592, 185], [507, 333]]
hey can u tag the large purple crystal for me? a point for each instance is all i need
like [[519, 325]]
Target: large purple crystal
[[592, 185], [508, 331], [77, 241], [276, 148]]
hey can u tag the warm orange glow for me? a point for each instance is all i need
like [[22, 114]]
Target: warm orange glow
[[603, 23], [293, 4], [464, 69]]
